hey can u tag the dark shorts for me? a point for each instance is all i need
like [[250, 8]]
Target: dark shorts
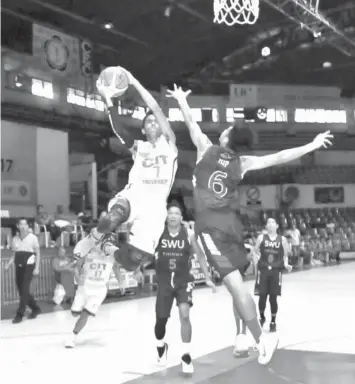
[[268, 282], [166, 294], [224, 253]]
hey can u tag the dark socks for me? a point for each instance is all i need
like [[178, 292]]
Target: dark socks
[[273, 318], [186, 358], [161, 350]]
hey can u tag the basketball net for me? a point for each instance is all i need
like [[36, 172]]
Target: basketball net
[[232, 12]]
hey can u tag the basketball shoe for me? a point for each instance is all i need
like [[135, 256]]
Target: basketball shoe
[[186, 364], [267, 347], [70, 342], [241, 346]]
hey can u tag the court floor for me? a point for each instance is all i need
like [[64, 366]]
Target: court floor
[[316, 325]]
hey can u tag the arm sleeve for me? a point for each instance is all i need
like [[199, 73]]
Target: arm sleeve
[[119, 130]]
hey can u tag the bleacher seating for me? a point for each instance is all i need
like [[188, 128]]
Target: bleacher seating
[[269, 140], [344, 174], [324, 231]]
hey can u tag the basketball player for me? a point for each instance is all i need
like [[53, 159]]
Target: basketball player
[[173, 264], [142, 203], [219, 170], [95, 271], [273, 251]]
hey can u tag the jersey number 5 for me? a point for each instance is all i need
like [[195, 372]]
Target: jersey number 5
[[216, 183], [172, 264]]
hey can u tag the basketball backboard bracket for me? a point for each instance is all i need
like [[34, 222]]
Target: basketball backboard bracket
[[307, 14]]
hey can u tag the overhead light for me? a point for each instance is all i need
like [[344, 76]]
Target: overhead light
[[317, 34], [265, 51], [108, 26], [327, 64]]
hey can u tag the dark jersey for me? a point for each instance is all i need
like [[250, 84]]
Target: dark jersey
[[271, 253], [216, 181], [173, 255]]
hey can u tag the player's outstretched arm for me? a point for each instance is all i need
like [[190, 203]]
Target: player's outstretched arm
[[250, 163], [201, 141], [256, 250], [107, 92], [154, 107]]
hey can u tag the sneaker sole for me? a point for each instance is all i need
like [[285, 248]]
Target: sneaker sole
[[275, 349]]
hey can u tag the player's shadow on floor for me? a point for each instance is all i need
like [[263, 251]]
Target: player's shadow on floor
[[287, 366]]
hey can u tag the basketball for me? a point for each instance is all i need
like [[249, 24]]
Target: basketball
[[115, 77]]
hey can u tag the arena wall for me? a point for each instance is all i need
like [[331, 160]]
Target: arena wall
[[35, 168]]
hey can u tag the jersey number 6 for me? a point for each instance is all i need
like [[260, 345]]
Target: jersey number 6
[[216, 183]]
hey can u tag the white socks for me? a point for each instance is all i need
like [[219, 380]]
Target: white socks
[[186, 348]]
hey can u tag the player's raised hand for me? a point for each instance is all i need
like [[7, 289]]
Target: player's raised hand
[[212, 285], [323, 140], [177, 93]]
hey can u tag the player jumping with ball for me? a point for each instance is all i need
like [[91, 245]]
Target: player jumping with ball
[[218, 173], [142, 203]]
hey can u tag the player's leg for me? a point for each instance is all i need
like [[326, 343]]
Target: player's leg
[[184, 303], [241, 346], [228, 258], [163, 305], [274, 291], [89, 305], [77, 310], [145, 233], [118, 212], [261, 289]]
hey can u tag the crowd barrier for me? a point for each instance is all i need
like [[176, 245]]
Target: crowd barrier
[[43, 285]]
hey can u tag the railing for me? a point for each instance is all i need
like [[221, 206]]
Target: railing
[[42, 286]]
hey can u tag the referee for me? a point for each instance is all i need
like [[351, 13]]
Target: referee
[[26, 257]]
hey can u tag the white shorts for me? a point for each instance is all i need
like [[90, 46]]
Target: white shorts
[[88, 299], [147, 220]]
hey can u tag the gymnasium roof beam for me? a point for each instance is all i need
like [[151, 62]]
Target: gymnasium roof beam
[[306, 14], [84, 20]]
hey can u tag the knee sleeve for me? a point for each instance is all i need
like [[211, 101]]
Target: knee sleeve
[[273, 304], [130, 257], [160, 327], [118, 214]]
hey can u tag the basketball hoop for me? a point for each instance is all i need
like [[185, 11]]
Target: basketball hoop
[[232, 12]]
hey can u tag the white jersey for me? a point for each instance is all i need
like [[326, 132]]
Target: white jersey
[[153, 170], [97, 268]]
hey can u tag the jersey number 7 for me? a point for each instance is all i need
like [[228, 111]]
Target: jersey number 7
[[216, 183]]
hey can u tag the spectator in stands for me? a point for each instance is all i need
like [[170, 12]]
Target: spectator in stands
[[61, 215], [44, 219], [295, 239], [64, 273], [27, 262], [291, 254]]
